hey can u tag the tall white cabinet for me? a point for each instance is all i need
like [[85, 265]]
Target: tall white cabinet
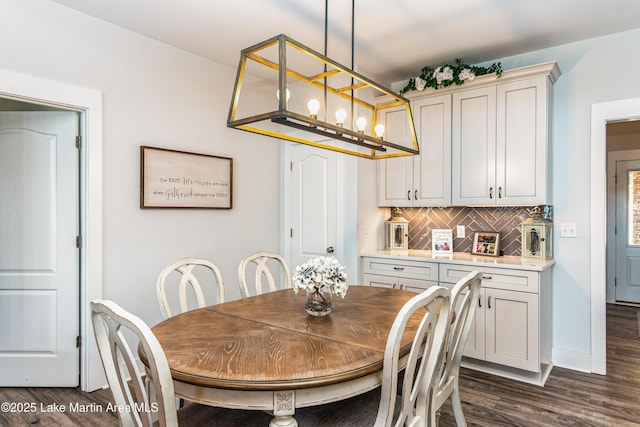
[[484, 143]]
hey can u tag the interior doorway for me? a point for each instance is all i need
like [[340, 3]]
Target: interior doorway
[[601, 115], [88, 103]]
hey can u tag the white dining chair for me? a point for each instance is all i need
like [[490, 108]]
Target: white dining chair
[[263, 265], [464, 297], [146, 397], [189, 274], [410, 406]]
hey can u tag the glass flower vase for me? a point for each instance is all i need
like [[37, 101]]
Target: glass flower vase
[[319, 301]]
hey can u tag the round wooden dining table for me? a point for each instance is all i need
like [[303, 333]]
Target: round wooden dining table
[[266, 353]]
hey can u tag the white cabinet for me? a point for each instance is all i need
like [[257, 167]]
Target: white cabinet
[[409, 275], [425, 179], [484, 143], [501, 146], [513, 319]]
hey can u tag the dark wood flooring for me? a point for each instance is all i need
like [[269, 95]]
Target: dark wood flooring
[[569, 398]]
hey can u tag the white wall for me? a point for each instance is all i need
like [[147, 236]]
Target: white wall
[[153, 95]]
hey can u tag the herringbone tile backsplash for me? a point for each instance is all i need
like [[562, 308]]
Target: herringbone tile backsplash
[[505, 220]]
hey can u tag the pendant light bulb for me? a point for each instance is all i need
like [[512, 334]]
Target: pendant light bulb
[[361, 123], [379, 130], [340, 116], [313, 105]]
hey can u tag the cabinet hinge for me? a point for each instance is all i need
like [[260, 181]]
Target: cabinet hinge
[[291, 166], [78, 242], [291, 232], [615, 282], [78, 142], [78, 341]]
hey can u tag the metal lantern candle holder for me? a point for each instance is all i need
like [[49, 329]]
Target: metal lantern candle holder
[[396, 231], [537, 236]]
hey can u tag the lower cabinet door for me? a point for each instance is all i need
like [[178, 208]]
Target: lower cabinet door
[[511, 329]]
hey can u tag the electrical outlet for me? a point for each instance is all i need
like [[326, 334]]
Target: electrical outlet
[[460, 232], [568, 229]]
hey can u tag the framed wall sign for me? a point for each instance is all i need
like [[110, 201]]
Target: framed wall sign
[[178, 179], [486, 243]]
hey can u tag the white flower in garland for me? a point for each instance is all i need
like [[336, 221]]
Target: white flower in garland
[[466, 74], [319, 272], [420, 84]]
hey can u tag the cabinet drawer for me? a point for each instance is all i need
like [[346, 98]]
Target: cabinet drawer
[[497, 278], [400, 268]]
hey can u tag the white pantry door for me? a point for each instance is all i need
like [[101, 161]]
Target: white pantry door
[[39, 222], [313, 204]]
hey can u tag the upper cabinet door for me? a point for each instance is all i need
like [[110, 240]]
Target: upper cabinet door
[[523, 142], [473, 166], [395, 175], [432, 168]]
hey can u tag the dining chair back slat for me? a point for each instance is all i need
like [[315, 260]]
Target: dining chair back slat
[[263, 263], [193, 274]]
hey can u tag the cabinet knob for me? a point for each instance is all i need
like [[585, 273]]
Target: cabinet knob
[[491, 192], [479, 301], [330, 249], [487, 277], [489, 302], [409, 195], [415, 195], [499, 192]]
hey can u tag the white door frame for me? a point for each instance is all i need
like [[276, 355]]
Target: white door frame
[[88, 102], [601, 114]]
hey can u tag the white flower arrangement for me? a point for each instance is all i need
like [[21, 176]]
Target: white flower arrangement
[[449, 74], [319, 272]]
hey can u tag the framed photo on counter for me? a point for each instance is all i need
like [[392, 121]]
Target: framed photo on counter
[[486, 243], [441, 241]]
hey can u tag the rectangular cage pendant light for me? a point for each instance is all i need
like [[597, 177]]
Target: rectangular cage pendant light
[[325, 104]]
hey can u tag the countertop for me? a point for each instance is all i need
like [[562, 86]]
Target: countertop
[[514, 262]]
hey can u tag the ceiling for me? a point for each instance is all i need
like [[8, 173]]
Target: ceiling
[[393, 39]]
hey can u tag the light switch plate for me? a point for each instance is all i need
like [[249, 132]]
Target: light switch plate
[[568, 229], [460, 232]]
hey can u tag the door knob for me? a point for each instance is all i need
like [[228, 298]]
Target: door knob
[[329, 249]]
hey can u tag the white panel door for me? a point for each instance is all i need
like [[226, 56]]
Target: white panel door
[[628, 231], [313, 204], [38, 255]]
